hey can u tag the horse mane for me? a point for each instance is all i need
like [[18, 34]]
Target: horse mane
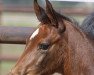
[[70, 19], [64, 17], [88, 25]]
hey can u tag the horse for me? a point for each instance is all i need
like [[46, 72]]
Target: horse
[[88, 26], [56, 46]]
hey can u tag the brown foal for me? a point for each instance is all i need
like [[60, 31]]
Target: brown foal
[[57, 46]]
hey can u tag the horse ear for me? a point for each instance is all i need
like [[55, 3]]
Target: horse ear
[[51, 13], [55, 18], [40, 13]]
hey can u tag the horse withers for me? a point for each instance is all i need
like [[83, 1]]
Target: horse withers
[[57, 46]]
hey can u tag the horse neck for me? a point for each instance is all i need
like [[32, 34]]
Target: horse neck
[[81, 53]]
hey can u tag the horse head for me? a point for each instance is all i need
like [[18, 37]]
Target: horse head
[[47, 50]]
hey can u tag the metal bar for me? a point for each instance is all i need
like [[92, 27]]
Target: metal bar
[[15, 35], [75, 0], [77, 11], [9, 58]]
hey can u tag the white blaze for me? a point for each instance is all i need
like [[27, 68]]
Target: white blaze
[[34, 34]]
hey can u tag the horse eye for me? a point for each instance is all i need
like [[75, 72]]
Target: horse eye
[[44, 46]]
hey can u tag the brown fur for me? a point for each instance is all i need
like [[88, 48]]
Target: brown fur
[[70, 51]]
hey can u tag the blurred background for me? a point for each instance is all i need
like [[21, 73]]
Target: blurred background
[[21, 13]]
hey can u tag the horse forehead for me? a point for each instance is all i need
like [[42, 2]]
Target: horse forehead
[[35, 33], [42, 30]]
